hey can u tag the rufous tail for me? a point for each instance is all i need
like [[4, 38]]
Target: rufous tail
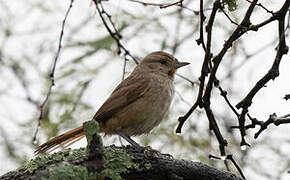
[[63, 140]]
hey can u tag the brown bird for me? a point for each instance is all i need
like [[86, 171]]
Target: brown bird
[[136, 106]]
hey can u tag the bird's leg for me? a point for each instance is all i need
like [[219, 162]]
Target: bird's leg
[[128, 139], [148, 151]]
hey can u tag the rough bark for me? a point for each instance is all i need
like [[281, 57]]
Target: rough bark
[[117, 163]]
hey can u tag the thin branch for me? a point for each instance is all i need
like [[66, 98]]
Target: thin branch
[[165, 5], [206, 99], [51, 75], [204, 71], [254, 123], [273, 119], [202, 18], [178, 3], [217, 59], [186, 79], [229, 157], [271, 74], [229, 18], [113, 32], [261, 5], [124, 68], [264, 126], [223, 93]]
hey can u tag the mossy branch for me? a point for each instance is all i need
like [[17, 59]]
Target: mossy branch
[[116, 163]]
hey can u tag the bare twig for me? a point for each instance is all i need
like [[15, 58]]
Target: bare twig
[[204, 71], [113, 32], [206, 97], [264, 126], [178, 3], [261, 5], [229, 157], [254, 122], [229, 18], [51, 75], [203, 100], [200, 40], [124, 68], [165, 5], [272, 73], [273, 119], [224, 95], [186, 79]]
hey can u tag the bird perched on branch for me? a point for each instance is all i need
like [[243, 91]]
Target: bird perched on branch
[[136, 106]]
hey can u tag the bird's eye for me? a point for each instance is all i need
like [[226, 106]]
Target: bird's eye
[[163, 61]]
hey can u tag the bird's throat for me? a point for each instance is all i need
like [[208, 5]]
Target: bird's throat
[[171, 72]]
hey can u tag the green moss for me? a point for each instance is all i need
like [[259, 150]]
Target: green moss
[[75, 154], [91, 129], [117, 162], [147, 165], [66, 171], [65, 155]]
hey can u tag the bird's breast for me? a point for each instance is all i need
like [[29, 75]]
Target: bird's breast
[[155, 104]]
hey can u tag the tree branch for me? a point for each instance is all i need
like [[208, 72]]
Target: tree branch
[[118, 163], [51, 75]]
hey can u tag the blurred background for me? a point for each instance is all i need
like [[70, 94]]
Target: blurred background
[[89, 68]]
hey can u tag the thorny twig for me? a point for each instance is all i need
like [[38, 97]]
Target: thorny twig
[[51, 75]]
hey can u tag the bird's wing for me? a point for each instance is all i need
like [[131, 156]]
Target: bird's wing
[[128, 91]]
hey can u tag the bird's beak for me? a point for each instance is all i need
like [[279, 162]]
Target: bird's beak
[[180, 64]]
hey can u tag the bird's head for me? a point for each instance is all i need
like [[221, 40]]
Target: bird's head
[[162, 63]]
